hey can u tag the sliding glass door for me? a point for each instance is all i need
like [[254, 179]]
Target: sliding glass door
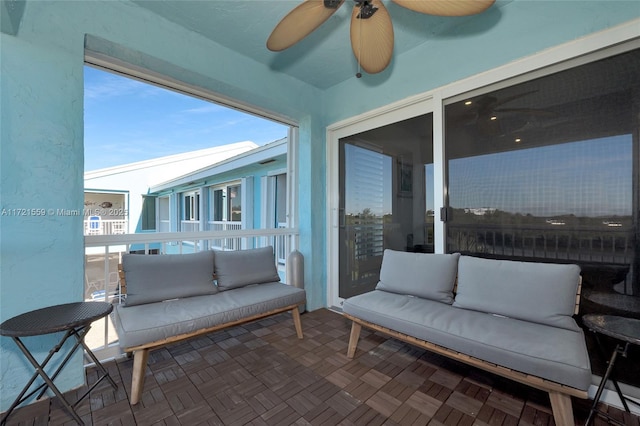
[[386, 199]]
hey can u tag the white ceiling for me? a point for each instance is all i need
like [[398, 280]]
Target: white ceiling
[[324, 58]]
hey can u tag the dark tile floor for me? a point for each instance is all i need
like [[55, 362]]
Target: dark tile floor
[[261, 374]]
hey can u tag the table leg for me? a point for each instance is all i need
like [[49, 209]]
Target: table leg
[[45, 377], [22, 397], [103, 371], [603, 382], [623, 400], [64, 361]]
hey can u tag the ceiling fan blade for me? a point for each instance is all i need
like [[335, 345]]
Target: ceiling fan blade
[[446, 7], [372, 37], [300, 22]]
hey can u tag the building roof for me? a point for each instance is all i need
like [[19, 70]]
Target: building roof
[[257, 155], [176, 165]]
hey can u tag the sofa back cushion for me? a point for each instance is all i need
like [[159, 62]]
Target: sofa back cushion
[[430, 276], [544, 293], [154, 278], [240, 268]]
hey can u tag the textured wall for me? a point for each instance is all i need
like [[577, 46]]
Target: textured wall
[[41, 166]]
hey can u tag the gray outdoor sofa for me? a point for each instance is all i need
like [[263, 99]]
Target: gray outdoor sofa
[[175, 297], [511, 318]]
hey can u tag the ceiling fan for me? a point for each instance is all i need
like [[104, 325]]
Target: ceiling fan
[[371, 27]]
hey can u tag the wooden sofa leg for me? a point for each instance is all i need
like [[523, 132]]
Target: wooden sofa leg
[[562, 410], [295, 312], [140, 358], [353, 339]]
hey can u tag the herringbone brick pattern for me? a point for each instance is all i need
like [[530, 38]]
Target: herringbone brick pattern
[[261, 374]]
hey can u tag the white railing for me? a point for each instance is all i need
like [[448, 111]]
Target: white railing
[[104, 252], [225, 243], [164, 225], [189, 225], [105, 226], [280, 245]]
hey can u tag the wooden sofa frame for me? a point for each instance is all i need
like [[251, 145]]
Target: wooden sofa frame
[[141, 352], [559, 394]]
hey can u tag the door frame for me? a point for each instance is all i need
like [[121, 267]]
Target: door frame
[[409, 108]]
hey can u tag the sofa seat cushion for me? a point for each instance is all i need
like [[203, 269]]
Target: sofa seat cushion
[[138, 325], [553, 353]]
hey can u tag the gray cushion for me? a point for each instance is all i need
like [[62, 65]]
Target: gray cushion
[[143, 324], [540, 292], [154, 278], [430, 276], [552, 353], [239, 268]]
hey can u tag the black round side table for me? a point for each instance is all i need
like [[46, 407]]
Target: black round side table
[[75, 320], [627, 332]]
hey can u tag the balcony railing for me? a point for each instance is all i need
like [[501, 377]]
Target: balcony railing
[[105, 227], [104, 252], [189, 225], [225, 243], [611, 246]]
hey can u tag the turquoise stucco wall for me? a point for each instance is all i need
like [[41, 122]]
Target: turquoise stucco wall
[[41, 128], [41, 146], [41, 150]]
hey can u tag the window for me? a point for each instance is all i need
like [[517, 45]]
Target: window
[[164, 214], [225, 204], [148, 215], [190, 212], [545, 169], [281, 200], [235, 203], [225, 214]]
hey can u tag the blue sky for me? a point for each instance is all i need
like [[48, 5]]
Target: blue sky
[[127, 121]]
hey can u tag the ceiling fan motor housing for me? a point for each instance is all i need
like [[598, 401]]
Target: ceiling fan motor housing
[[366, 9]]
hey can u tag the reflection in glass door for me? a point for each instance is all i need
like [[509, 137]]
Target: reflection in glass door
[[386, 199]]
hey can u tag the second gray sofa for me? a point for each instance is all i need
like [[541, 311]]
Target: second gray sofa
[[510, 318]]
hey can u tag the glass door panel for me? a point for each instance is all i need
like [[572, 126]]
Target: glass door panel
[[548, 171], [386, 199]]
